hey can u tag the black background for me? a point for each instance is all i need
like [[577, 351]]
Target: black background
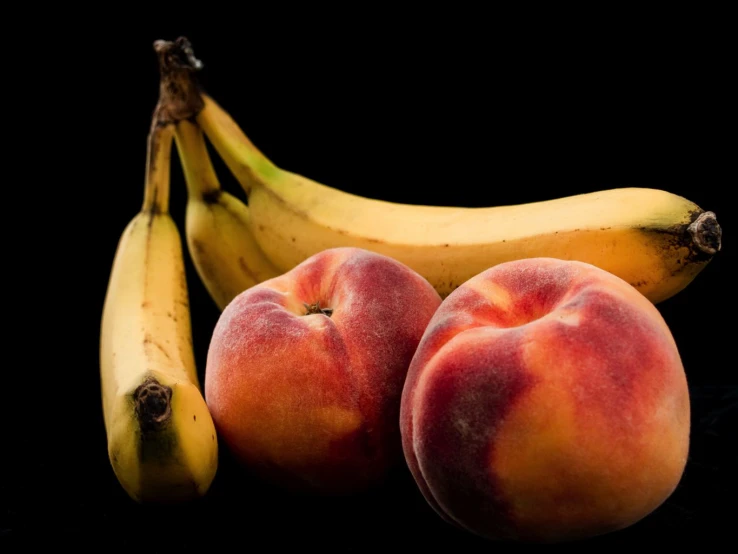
[[403, 112]]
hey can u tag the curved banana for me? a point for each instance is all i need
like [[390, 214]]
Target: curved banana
[[218, 225], [655, 240], [161, 439]]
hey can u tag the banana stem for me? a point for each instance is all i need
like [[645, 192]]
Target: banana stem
[[202, 181], [181, 99], [158, 163], [179, 91]]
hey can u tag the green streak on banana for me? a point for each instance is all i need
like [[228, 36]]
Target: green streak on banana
[[161, 439], [218, 226], [655, 240]]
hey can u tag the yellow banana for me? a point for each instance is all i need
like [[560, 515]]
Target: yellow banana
[[218, 225], [161, 439], [655, 240]]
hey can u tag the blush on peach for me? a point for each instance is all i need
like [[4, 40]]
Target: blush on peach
[[305, 371], [546, 401]]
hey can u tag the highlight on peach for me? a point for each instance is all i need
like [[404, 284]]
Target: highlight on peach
[[546, 402]]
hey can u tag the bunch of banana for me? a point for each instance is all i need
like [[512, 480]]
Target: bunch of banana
[[655, 240], [161, 439], [218, 225]]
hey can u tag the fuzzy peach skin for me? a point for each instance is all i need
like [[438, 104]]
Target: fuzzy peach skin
[[312, 402], [546, 402]]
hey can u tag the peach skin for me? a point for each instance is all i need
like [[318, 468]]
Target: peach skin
[[305, 371], [546, 402]]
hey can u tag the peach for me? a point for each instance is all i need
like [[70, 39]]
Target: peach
[[305, 371], [546, 402]]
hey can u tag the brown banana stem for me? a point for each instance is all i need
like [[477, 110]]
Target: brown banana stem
[[179, 92], [706, 233], [179, 98]]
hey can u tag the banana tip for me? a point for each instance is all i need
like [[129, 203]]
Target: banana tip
[[179, 92], [706, 233], [153, 403], [180, 53]]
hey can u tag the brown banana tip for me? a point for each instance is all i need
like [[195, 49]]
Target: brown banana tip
[[178, 53], [153, 404], [179, 92], [706, 233]]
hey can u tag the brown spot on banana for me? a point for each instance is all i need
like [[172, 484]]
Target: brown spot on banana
[[148, 339], [247, 270], [211, 197]]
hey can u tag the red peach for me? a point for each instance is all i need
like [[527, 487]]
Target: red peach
[[546, 401], [305, 371]]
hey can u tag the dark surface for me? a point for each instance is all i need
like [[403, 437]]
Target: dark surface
[[471, 121]]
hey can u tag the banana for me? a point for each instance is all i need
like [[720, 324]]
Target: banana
[[655, 240], [161, 440], [218, 225]]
